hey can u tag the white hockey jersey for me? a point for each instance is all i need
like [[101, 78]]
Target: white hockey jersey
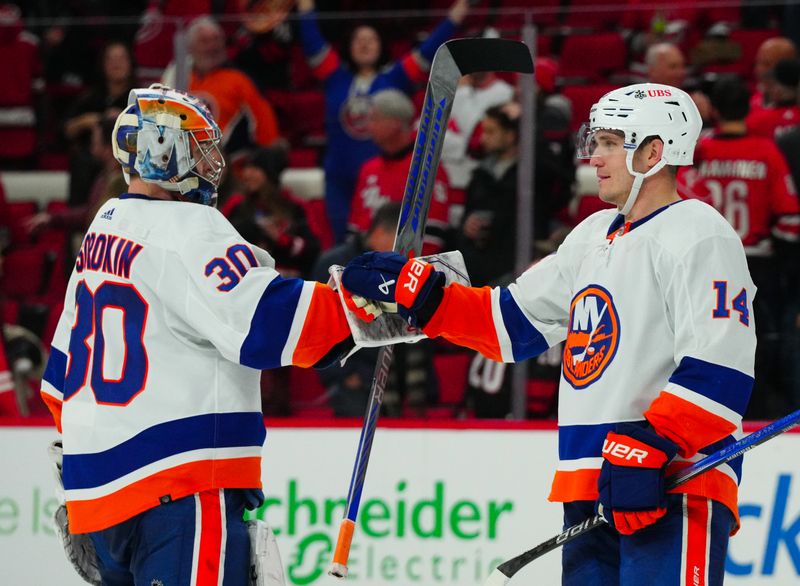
[[154, 372], [658, 322]]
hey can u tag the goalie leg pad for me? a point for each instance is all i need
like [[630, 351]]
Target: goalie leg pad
[[266, 568]]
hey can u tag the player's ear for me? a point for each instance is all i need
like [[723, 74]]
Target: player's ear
[[655, 152], [650, 153]]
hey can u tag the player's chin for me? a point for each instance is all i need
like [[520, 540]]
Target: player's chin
[[606, 195]]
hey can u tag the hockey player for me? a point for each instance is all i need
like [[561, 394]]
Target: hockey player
[[153, 378], [654, 301]]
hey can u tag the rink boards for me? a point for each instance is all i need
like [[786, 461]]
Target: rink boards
[[440, 505]]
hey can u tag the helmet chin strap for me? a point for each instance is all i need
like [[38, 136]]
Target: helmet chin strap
[[638, 179]]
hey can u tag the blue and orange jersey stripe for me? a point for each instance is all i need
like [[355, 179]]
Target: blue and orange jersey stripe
[[95, 514], [52, 391], [295, 322], [487, 320]]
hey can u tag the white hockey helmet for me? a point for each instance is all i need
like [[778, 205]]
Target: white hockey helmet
[[169, 138], [640, 111]]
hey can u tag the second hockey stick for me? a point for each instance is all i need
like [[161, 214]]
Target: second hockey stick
[[453, 60], [505, 571]]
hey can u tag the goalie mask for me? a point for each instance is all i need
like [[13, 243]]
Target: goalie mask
[[638, 112], [169, 138]]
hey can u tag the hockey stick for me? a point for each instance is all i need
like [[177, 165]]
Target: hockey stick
[[453, 60], [505, 571]]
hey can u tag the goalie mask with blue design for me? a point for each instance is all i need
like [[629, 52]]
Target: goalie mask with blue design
[[169, 138]]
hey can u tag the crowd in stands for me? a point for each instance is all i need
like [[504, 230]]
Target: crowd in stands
[[301, 87]]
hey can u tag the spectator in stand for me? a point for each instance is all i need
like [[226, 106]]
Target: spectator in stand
[[412, 379], [107, 99], [746, 178], [383, 178], [349, 83], [476, 93], [267, 215], [780, 90], [769, 53], [244, 116], [108, 183], [666, 64], [487, 237]]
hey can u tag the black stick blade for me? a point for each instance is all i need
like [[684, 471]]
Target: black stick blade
[[479, 54]]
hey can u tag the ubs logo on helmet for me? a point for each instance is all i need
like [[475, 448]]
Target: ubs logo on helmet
[[641, 94], [592, 338]]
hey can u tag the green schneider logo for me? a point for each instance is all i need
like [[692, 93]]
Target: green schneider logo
[[312, 526]]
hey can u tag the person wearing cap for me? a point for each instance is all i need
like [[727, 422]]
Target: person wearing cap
[[781, 90], [267, 215], [383, 178]]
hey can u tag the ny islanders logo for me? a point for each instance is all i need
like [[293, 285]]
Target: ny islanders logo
[[592, 338]]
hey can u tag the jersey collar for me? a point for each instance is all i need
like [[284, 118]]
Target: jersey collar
[[619, 226], [137, 196]]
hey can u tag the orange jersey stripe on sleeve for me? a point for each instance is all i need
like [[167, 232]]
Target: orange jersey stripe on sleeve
[[325, 322], [465, 318], [689, 426], [54, 405]]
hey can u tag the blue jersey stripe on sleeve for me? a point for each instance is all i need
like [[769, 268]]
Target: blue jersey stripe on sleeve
[[56, 369], [726, 386], [582, 441], [271, 324], [526, 340], [222, 430], [735, 464]]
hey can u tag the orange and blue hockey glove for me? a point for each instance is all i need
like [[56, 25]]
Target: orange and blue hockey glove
[[388, 277], [631, 484]]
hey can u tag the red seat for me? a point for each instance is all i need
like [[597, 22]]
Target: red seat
[[19, 65], [9, 311], [594, 56], [23, 272], [19, 211], [303, 158], [583, 98]]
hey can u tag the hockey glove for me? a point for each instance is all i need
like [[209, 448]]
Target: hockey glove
[[79, 549], [631, 484], [388, 277]]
